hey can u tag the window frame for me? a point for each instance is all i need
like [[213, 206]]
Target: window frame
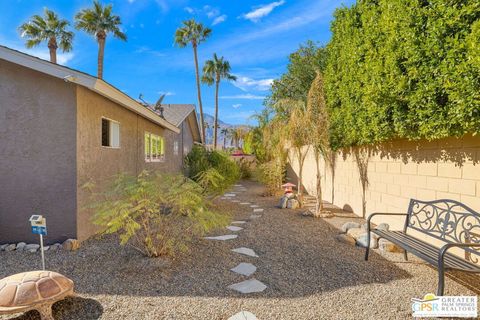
[[110, 133], [159, 142]]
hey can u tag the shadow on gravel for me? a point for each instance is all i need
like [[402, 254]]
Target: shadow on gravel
[[298, 257], [70, 309]]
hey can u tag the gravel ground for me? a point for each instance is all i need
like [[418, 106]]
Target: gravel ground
[[309, 275]]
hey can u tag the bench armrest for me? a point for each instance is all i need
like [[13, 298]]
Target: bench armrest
[[444, 249], [382, 214]]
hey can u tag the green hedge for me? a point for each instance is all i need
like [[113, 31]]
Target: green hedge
[[404, 69]]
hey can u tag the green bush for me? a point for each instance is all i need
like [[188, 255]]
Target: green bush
[[403, 69], [272, 175], [214, 170], [158, 214]]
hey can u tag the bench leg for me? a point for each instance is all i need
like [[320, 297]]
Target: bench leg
[[405, 256], [441, 280], [366, 252]]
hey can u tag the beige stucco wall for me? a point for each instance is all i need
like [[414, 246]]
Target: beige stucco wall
[[400, 170], [37, 154], [99, 164]]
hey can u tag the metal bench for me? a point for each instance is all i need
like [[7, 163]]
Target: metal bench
[[452, 223]]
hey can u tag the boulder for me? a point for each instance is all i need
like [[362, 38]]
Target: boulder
[[344, 238], [3, 246], [355, 232], [283, 202], [45, 248], [349, 225], [293, 204], [31, 246], [386, 246], [55, 247], [383, 226], [10, 247], [21, 246], [71, 244], [362, 241]]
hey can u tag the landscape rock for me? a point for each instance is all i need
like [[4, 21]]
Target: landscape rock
[[362, 241], [45, 248], [355, 232], [55, 247], [383, 226], [32, 246], [71, 244], [387, 246], [345, 238], [283, 203], [3, 246], [349, 225], [293, 204], [21, 246], [10, 247]]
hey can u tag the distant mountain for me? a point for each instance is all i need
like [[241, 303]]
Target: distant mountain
[[209, 119]]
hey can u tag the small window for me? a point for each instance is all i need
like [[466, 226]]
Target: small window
[[154, 147], [110, 133], [175, 148]]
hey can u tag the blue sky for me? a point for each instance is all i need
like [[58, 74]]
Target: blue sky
[[255, 36]]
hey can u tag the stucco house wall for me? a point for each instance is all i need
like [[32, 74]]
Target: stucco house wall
[[37, 154]]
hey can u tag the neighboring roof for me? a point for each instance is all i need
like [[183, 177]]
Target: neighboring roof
[[85, 80], [178, 113]]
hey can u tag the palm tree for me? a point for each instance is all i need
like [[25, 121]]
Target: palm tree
[[48, 28], [99, 21], [225, 131], [194, 33], [213, 72]]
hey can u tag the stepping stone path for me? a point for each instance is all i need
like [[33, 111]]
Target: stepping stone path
[[248, 286], [255, 216], [243, 315], [239, 222], [244, 203], [246, 269], [223, 238], [254, 206], [246, 251], [234, 228], [229, 195], [257, 210]]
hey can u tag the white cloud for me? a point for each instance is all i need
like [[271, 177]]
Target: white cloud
[[263, 11], [247, 96], [219, 19], [147, 50], [236, 106], [167, 93], [189, 10], [246, 84], [131, 1], [211, 12], [163, 5]]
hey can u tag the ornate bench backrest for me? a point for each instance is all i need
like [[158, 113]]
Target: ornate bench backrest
[[446, 220]]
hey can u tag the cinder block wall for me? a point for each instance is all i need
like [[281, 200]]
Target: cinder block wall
[[398, 171]]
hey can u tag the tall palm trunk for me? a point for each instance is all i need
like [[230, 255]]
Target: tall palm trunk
[[52, 46], [101, 50], [199, 93], [215, 123]]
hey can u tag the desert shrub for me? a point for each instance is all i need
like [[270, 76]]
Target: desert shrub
[[158, 214], [271, 174], [214, 170], [245, 168]]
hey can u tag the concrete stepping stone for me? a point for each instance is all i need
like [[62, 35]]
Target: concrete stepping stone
[[243, 315], [246, 251], [239, 222], [248, 286], [223, 238], [229, 195], [255, 216], [244, 203], [234, 228], [246, 269], [258, 210], [238, 185], [235, 200], [254, 206]]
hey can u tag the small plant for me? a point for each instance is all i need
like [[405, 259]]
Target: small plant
[[157, 214]]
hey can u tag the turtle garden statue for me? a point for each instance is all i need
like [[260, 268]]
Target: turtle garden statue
[[34, 290]]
